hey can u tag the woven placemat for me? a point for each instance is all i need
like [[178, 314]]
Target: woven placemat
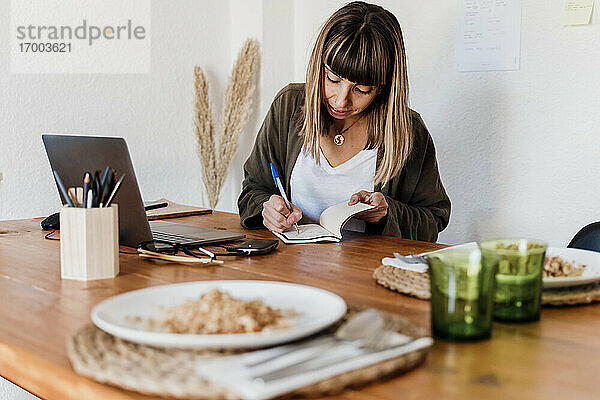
[[416, 284], [412, 283], [170, 372], [572, 295]]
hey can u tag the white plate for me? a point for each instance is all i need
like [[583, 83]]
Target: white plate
[[315, 309], [590, 259]]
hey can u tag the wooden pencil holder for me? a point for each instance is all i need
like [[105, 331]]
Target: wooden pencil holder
[[89, 243]]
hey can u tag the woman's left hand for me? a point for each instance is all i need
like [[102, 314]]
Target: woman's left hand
[[376, 199]]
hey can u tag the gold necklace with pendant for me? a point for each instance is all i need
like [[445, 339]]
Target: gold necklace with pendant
[[339, 139]]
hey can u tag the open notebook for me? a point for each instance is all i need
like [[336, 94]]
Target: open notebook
[[329, 228]]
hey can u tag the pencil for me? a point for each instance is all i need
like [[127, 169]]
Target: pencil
[[114, 191], [86, 187], [62, 189]]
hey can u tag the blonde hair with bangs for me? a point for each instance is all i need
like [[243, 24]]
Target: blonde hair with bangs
[[362, 43]]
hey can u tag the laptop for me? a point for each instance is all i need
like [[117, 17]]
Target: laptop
[[71, 156]]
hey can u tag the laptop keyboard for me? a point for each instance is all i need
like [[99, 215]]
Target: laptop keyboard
[[173, 238]]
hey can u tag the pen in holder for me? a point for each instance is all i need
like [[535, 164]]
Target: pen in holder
[[89, 243]]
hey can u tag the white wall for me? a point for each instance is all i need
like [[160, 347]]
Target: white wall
[[518, 150]]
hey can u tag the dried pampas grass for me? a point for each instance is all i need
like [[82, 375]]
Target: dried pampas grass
[[236, 112]]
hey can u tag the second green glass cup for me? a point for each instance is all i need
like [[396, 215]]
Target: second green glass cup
[[462, 294], [519, 264]]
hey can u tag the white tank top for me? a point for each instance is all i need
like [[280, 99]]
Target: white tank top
[[315, 187]]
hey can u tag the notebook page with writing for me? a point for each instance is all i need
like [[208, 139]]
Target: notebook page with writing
[[330, 229], [309, 233]]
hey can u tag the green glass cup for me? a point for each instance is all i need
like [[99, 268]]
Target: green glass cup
[[462, 294], [519, 264]]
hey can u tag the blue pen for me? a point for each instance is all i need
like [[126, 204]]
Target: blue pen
[[282, 192]]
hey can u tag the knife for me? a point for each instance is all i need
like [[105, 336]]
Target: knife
[[340, 353]]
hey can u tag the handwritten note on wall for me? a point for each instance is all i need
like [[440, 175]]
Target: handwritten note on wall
[[489, 35], [577, 12]]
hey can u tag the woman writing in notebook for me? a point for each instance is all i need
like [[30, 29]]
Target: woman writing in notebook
[[348, 135]]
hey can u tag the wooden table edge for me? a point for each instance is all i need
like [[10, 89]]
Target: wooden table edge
[[45, 379]]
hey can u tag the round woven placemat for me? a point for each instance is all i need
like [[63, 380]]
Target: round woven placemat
[[412, 283], [416, 284], [170, 372], [572, 295]]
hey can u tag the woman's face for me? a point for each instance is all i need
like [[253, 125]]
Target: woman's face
[[345, 99]]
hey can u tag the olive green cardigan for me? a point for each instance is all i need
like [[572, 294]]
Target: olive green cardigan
[[418, 207]]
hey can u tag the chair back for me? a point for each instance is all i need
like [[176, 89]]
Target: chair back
[[588, 238]]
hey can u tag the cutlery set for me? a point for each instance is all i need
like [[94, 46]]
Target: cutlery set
[[366, 338], [367, 331]]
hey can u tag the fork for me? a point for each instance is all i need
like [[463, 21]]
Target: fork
[[374, 329], [411, 259]]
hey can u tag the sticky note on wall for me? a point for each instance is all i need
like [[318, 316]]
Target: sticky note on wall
[[577, 12]]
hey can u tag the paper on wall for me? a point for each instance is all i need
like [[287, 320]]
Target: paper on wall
[[577, 12], [488, 35]]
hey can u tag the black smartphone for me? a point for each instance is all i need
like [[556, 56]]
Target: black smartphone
[[254, 246]]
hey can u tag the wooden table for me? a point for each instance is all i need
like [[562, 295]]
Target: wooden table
[[558, 357]]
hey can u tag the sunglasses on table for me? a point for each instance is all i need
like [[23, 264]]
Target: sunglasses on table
[[195, 254], [168, 251]]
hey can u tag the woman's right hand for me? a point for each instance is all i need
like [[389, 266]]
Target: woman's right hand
[[277, 217]]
